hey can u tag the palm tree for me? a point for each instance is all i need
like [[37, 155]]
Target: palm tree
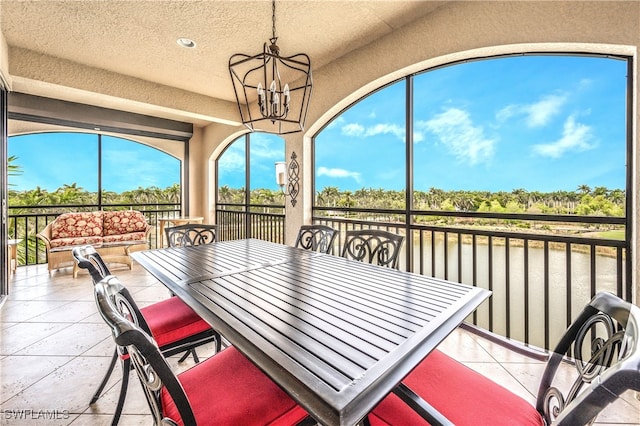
[[584, 189], [13, 169]]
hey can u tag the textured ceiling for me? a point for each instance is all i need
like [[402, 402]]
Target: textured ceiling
[[138, 38]]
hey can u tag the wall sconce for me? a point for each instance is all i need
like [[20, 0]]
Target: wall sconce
[[289, 177]]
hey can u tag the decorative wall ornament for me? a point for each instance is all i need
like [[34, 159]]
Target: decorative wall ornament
[[289, 176]]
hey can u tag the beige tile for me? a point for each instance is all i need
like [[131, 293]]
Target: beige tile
[[72, 340], [150, 294], [20, 372], [22, 335], [103, 348], [78, 290], [70, 312], [24, 310], [28, 292], [462, 347], [135, 402], [105, 420], [621, 411], [67, 388], [94, 317], [527, 374], [499, 375]]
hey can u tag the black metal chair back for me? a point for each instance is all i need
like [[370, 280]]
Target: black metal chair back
[[373, 246], [88, 258], [148, 361], [316, 238], [191, 234], [603, 349]]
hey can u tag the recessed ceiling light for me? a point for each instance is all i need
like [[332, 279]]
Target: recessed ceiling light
[[186, 42]]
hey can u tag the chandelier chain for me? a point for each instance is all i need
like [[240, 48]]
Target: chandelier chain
[[273, 19]]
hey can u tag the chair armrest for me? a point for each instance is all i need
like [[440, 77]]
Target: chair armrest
[[45, 235]]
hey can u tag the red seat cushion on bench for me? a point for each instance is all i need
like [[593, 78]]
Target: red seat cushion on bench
[[242, 394], [171, 320], [462, 395], [70, 242], [132, 237]]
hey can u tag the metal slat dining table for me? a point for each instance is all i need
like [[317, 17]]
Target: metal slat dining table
[[337, 335]]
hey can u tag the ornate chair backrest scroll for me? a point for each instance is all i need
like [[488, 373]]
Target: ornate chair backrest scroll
[[191, 235], [373, 246], [316, 238], [602, 346]]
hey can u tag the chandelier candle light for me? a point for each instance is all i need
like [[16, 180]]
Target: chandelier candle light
[[272, 91]]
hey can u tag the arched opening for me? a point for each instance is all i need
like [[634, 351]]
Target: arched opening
[[511, 173], [56, 172], [249, 203]]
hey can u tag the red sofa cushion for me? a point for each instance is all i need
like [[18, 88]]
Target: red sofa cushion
[[77, 224], [124, 222], [227, 389], [462, 395], [171, 320]]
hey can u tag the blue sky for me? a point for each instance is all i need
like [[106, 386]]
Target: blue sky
[[50, 160], [538, 123], [541, 123]]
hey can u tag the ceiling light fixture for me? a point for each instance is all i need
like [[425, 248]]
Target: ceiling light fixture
[[186, 42], [272, 91]]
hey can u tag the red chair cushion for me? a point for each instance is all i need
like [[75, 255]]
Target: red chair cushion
[[227, 389], [172, 320], [462, 395]]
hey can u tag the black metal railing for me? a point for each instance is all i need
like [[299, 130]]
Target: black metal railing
[[25, 222], [540, 279], [264, 222]]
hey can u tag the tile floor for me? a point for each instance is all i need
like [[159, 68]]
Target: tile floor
[[54, 349]]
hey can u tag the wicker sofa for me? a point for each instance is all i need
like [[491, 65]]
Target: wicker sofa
[[114, 234]]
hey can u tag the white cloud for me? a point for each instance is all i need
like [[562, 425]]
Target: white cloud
[[339, 173], [358, 130], [232, 159], [536, 114], [456, 131], [385, 129], [575, 137], [353, 129], [264, 146]]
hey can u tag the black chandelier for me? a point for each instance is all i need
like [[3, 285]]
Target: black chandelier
[[272, 91]]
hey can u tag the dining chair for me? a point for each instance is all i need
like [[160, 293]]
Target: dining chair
[[373, 246], [190, 234], [596, 361], [225, 389], [173, 324], [316, 238]]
